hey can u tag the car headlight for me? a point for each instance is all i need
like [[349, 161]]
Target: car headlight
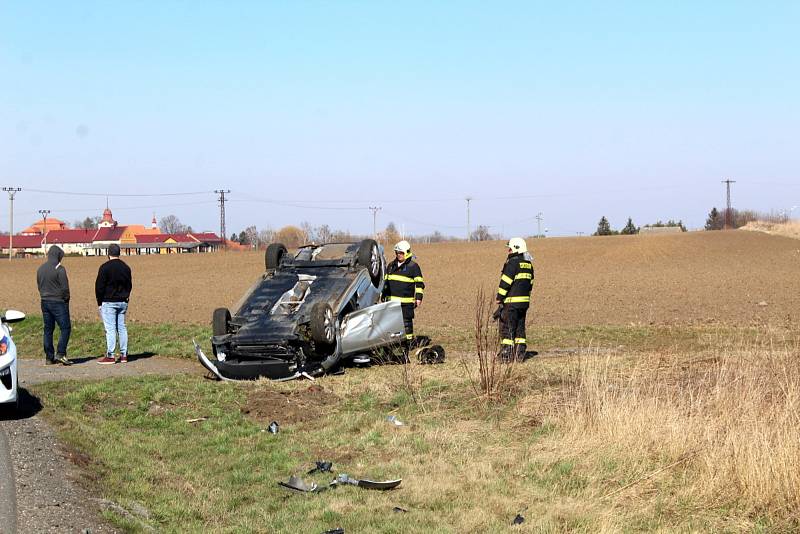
[[4, 343]]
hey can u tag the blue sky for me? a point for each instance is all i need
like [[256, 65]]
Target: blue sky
[[316, 110]]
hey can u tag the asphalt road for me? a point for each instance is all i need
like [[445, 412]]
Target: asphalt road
[[8, 493]]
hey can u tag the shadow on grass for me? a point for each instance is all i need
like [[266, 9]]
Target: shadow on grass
[[29, 405], [131, 357]]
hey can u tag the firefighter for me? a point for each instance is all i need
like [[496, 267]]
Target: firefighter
[[404, 282], [514, 294]]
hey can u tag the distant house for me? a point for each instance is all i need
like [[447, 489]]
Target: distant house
[[133, 239], [24, 245], [39, 227], [655, 230], [71, 241]]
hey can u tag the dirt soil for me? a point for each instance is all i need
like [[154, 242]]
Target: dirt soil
[[265, 405], [733, 277]]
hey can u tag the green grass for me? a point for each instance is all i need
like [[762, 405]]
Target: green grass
[[466, 466], [89, 339]]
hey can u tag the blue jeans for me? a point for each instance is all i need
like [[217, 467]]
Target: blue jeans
[[55, 312], [113, 314]]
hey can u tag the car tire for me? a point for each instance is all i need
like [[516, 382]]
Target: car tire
[[273, 255], [369, 256], [323, 324], [221, 321]]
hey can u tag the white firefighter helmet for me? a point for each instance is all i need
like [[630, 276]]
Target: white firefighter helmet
[[404, 247], [517, 245]]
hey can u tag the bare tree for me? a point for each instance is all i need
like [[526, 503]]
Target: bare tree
[[266, 236], [481, 233], [252, 236], [172, 225], [89, 223]]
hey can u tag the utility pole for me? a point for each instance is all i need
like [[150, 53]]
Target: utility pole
[[12, 191], [728, 212], [469, 235], [375, 210], [44, 214], [539, 224], [222, 193]]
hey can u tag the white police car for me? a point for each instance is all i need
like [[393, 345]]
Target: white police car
[[8, 359]]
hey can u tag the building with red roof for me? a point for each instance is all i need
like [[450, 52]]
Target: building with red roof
[[133, 239]]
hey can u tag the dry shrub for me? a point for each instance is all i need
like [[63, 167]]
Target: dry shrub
[[730, 420], [491, 379]]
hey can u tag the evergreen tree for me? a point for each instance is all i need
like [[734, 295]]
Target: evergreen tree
[[234, 237], [243, 238], [603, 227], [714, 220], [630, 228]]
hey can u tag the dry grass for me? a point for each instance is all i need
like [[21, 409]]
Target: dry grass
[[718, 430], [602, 441], [786, 229]]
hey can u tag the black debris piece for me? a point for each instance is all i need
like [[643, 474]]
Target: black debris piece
[[518, 520], [296, 483], [399, 510], [430, 355], [334, 531], [322, 467], [273, 427]]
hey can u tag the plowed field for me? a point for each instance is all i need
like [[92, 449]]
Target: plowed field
[[735, 278]]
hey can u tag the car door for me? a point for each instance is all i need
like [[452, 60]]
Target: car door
[[372, 327]]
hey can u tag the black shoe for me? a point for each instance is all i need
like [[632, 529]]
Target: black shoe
[[50, 362], [63, 360]]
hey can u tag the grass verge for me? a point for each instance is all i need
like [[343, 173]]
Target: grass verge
[[607, 440], [89, 338]]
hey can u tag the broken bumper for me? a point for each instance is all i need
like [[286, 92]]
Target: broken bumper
[[247, 369]]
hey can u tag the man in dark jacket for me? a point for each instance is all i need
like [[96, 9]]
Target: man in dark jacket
[[514, 293], [404, 282], [51, 277], [112, 290]]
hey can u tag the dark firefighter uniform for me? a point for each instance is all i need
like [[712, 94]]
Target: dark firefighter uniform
[[516, 283], [404, 282]]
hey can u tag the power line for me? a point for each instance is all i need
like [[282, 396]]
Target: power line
[[84, 194], [222, 193], [375, 210], [12, 192], [728, 214]]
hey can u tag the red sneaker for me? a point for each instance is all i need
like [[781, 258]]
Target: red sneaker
[[106, 360], [123, 358]]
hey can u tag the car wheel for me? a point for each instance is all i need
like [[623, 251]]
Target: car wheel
[[221, 321], [273, 255], [369, 256], [323, 324]]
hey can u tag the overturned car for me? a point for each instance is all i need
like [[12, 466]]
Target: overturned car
[[305, 314]]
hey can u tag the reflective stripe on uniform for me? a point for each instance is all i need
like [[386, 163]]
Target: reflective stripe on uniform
[[419, 279], [403, 300], [409, 336], [502, 291], [526, 276], [399, 278], [507, 279], [512, 300], [420, 290], [520, 340], [525, 265], [507, 342]]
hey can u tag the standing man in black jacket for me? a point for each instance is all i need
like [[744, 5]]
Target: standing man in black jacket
[[112, 290], [514, 293], [404, 282], [51, 277]]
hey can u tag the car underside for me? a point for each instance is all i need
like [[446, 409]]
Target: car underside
[[305, 313]]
